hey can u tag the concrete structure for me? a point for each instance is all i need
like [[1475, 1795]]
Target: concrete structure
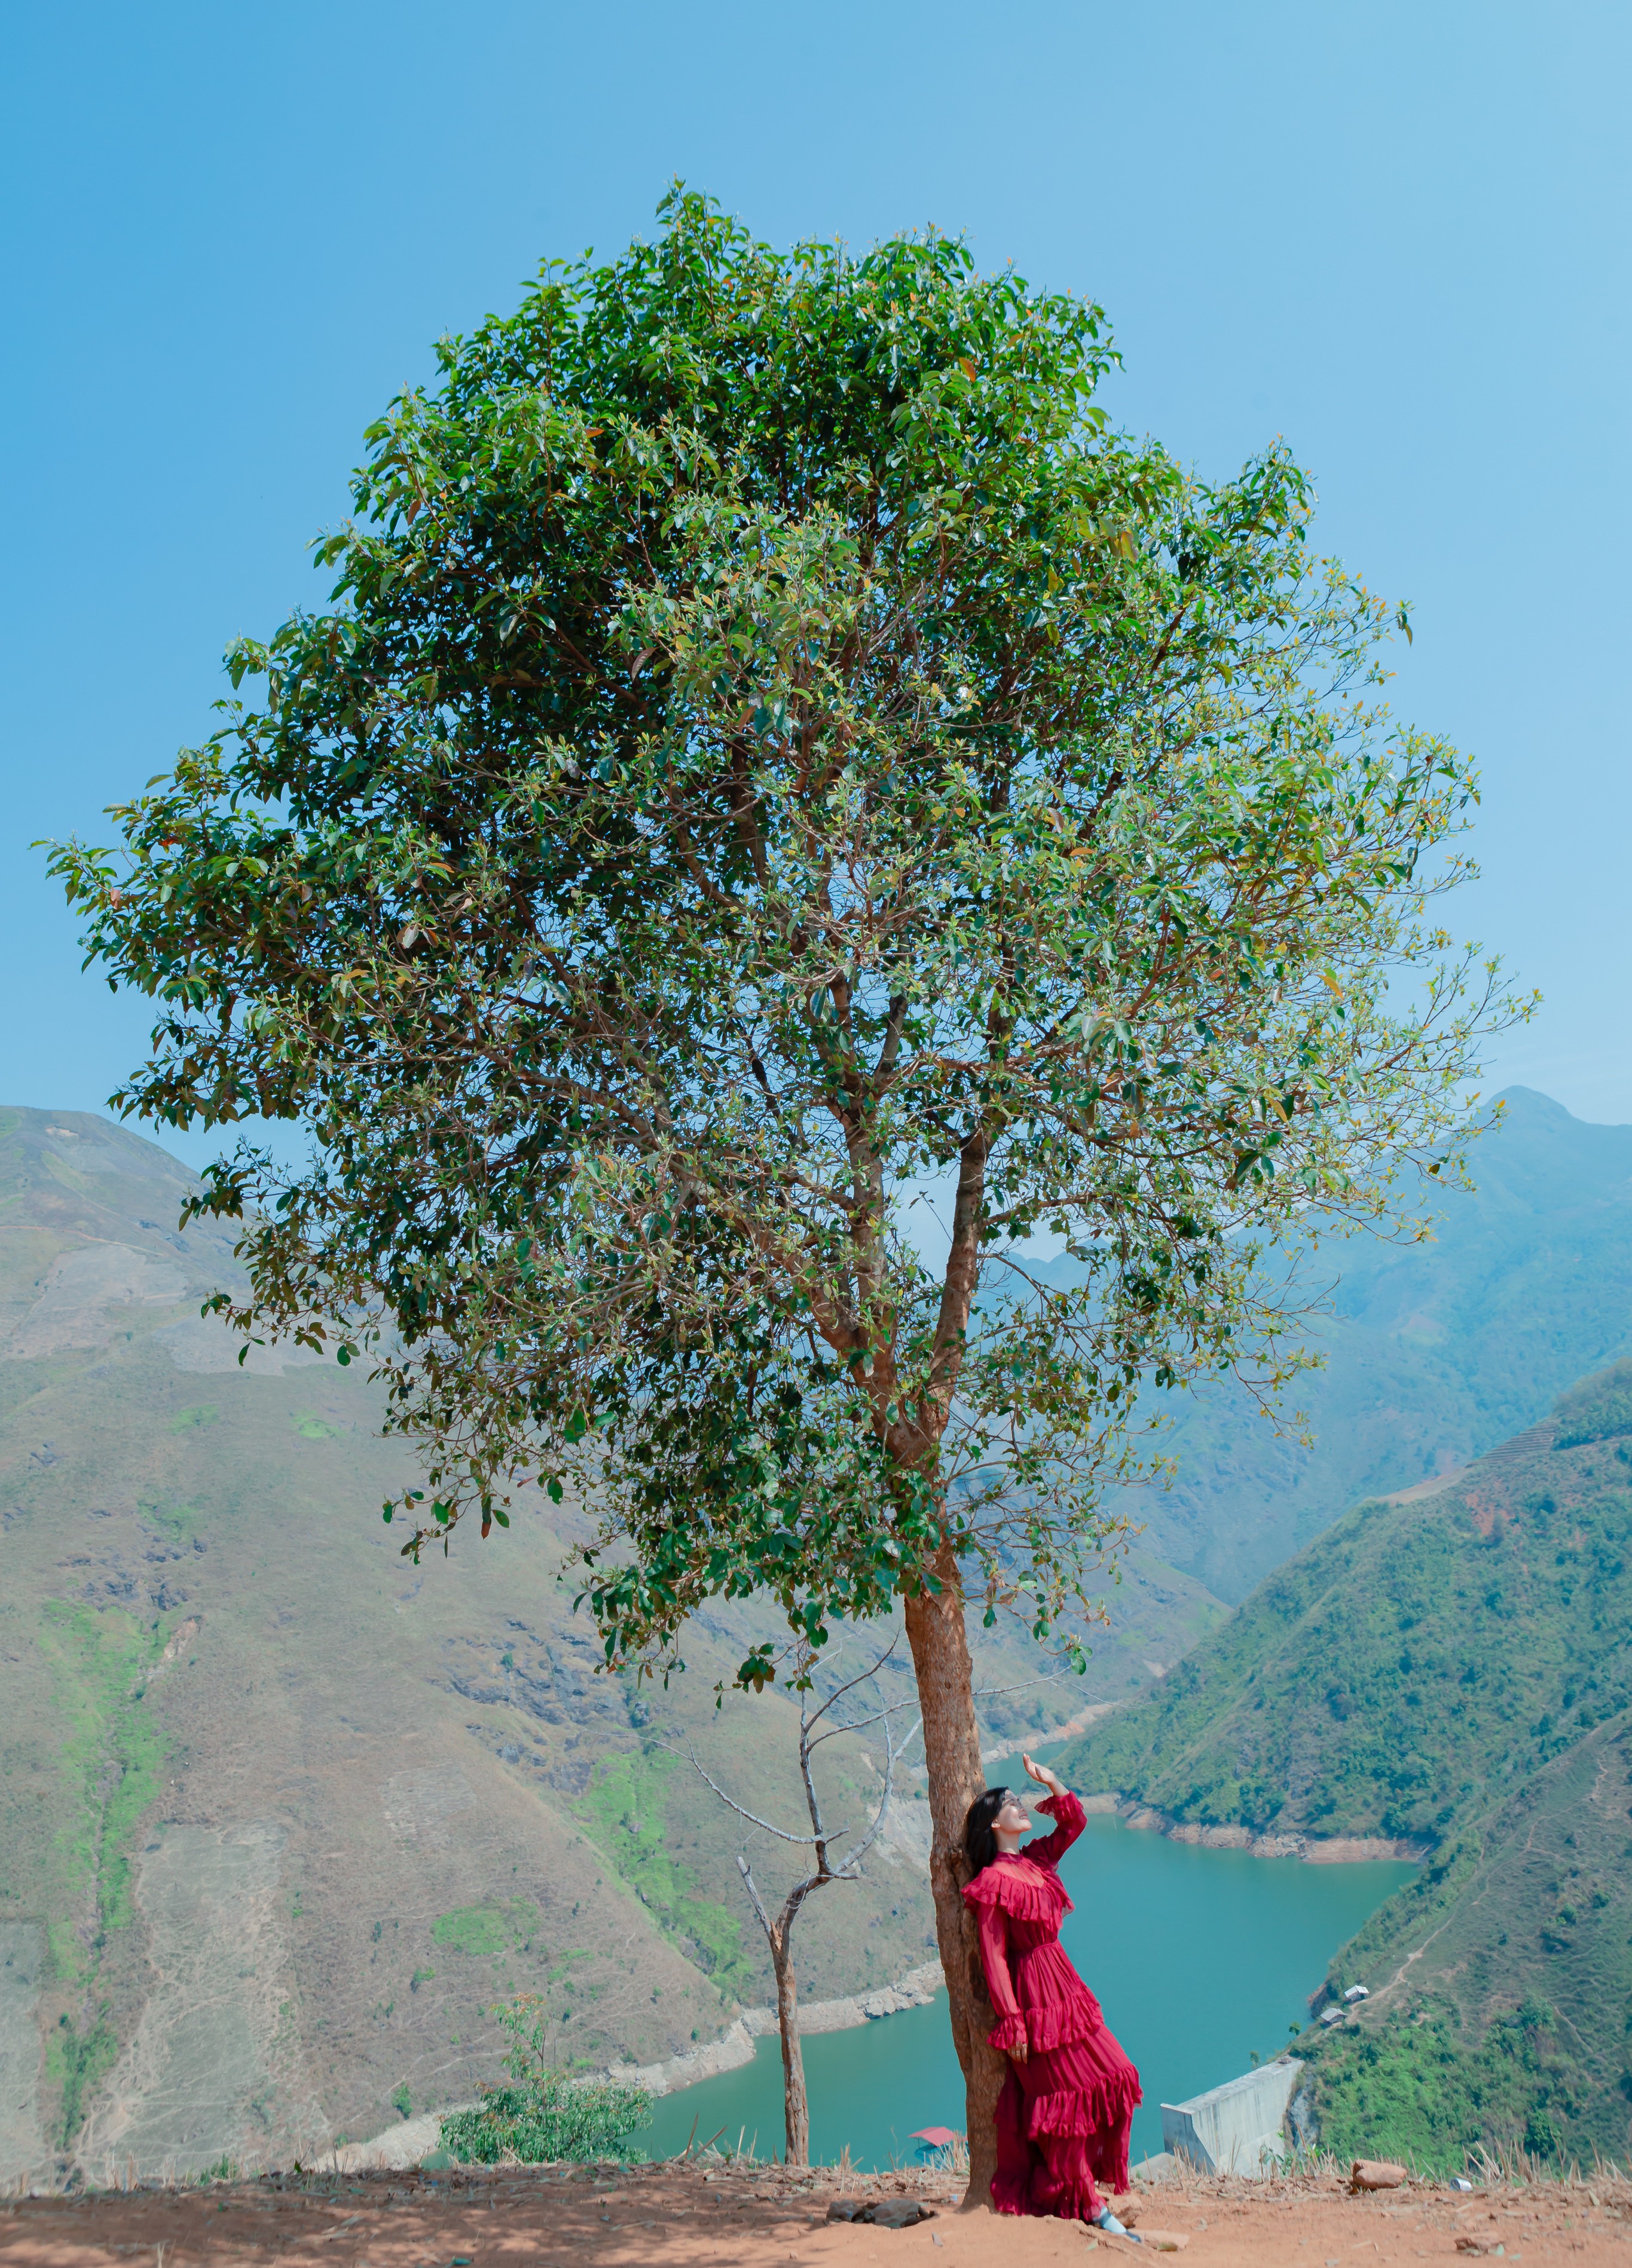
[[1235, 2128]]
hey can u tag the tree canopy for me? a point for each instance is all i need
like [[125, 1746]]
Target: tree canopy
[[770, 743]]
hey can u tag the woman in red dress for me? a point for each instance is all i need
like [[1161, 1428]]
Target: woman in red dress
[[1068, 2102]]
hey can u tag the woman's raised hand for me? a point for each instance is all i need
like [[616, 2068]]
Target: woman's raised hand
[[1041, 1774]]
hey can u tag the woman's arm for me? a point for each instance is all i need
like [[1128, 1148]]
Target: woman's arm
[[1009, 2036], [1044, 1775], [1069, 1817]]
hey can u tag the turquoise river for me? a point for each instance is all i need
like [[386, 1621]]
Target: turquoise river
[[1201, 1959]]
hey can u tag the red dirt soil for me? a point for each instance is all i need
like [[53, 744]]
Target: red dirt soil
[[762, 2217]]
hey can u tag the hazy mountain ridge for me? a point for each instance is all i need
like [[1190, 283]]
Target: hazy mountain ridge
[[1435, 1352], [254, 1763]]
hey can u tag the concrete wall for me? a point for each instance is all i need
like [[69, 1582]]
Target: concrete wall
[[1235, 2128]]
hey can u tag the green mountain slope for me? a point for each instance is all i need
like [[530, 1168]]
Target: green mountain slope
[[1501, 1983], [1413, 1662], [282, 1817], [1455, 1668], [1435, 1353]]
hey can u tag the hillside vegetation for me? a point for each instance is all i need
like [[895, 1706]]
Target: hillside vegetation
[[1502, 1982], [1456, 1669]]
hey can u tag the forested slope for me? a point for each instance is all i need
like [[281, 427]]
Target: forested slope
[[1458, 1669], [1415, 1661], [1500, 1981]]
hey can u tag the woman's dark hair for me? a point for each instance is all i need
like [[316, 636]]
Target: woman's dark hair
[[979, 1839]]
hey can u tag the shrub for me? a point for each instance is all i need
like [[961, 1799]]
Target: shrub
[[544, 2116]]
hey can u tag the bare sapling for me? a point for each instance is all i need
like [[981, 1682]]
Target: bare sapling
[[818, 1724]]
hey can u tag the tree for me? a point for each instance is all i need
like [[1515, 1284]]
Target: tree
[[779, 1927], [770, 743]]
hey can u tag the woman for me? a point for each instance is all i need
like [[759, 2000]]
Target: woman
[[1068, 2102]]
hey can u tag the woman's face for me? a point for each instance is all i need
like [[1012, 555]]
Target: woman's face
[[1012, 1819]]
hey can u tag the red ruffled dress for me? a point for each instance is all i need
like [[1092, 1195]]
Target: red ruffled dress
[[1064, 2114]]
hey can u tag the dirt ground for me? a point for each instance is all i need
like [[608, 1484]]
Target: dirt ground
[[760, 2217]]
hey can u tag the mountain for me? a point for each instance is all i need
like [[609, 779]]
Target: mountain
[[1434, 1353], [1455, 1670], [281, 1816]]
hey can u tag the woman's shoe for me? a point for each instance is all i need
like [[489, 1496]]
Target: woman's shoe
[[1105, 2220]]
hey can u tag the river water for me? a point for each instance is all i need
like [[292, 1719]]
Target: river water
[[1199, 1959]]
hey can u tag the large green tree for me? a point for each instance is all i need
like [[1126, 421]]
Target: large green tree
[[770, 746]]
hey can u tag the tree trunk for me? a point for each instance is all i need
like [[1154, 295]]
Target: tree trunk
[[795, 2104], [951, 1750]]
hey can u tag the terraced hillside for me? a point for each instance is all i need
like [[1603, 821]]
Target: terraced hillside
[[1455, 1668], [281, 1817]]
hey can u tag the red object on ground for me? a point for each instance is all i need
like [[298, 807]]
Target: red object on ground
[[938, 2136], [1064, 2112]]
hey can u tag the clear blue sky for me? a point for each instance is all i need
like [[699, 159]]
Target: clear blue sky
[[1396, 234]]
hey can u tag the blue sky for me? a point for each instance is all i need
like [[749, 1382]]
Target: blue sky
[[1396, 235]]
